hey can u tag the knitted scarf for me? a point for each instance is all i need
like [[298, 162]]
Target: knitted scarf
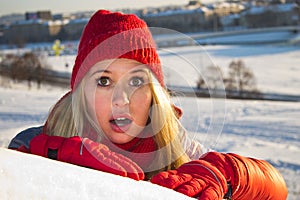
[[140, 150]]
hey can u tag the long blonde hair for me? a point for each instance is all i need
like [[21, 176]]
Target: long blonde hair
[[70, 117], [167, 138]]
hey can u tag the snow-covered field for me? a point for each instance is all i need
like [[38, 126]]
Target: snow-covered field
[[262, 129]]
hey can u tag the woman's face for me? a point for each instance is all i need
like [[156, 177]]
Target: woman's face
[[119, 93]]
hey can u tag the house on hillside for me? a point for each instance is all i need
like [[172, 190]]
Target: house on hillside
[[25, 31], [182, 20], [270, 16], [194, 17], [73, 29], [41, 26]]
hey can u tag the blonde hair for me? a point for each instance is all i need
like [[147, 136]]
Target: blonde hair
[[165, 117], [70, 117]]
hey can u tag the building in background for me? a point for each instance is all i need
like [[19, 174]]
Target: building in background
[[195, 17]]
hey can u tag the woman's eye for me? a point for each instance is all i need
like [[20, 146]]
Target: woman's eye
[[136, 81], [104, 81]]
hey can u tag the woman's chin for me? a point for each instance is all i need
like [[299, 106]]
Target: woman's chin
[[121, 138]]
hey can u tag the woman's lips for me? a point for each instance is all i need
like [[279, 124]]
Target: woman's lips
[[120, 124]]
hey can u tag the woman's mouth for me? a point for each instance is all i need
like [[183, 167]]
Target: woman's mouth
[[120, 121], [120, 124]]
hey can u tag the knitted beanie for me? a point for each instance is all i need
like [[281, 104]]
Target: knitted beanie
[[112, 35]]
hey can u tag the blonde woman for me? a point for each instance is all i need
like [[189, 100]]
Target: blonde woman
[[118, 118]]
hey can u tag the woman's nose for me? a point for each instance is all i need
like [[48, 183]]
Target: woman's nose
[[120, 97]]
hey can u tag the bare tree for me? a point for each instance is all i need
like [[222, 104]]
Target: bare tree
[[31, 66], [240, 78], [18, 70], [26, 67], [212, 78]]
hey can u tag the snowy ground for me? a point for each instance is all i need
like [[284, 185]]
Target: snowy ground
[[276, 68], [262, 129]]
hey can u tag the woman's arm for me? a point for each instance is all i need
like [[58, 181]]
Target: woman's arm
[[213, 175], [76, 150], [219, 175]]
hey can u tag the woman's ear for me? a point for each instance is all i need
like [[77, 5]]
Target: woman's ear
[[178, 111]]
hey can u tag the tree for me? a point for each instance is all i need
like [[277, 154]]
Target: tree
[[212, 78], [26, 67], [240, 79]]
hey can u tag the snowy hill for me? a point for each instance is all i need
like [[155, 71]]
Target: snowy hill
[[58, 180]]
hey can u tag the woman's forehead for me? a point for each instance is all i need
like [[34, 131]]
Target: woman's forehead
[[119, 66]]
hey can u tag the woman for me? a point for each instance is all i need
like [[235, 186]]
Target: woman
[[118, 118]]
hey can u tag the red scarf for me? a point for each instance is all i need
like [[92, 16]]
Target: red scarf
[[140, 150]]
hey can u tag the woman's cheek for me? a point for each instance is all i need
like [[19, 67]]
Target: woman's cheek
[[140, 105], [102, 105]]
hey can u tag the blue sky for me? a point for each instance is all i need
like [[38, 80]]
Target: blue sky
[[59, 6]]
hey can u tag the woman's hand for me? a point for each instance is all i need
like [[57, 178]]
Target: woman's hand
[[195, 179], [217, 176], [85, 152]]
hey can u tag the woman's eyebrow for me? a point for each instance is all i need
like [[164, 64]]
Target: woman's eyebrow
[[109, 72], [138, 70], [101, 71]]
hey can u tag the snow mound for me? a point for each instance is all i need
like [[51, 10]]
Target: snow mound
[[26, 176]]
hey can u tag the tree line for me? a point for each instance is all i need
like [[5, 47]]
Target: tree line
[[239, 82], [28, 67]]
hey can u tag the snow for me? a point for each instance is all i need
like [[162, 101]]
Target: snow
[[263, 129], [248, 38], [40, 178]]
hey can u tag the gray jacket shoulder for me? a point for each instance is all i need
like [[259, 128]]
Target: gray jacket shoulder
[[24, 137]]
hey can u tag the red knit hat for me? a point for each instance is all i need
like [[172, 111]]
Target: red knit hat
[[112, 35]]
